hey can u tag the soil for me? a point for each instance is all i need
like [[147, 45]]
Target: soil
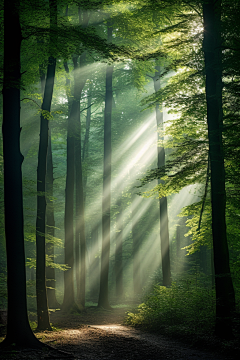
[[101, 335]]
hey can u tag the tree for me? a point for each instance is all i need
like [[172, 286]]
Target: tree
[[164, 233], [106, 200], [18, 328], [225, 298], [68, 300], [42, 305], [136, 246], [79, 82], [118, 251], [77, 181], [50, 230], [190, 159]]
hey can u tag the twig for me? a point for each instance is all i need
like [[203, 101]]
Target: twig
[[86, 107], [31, 100]]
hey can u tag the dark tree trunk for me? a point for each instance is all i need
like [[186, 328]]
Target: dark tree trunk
[[86, 141], [164, 232], [42, 306], [50, 229], [225, 298], [88, 122], [118, 252], [106, 200], [18, 330], [94, 264], [41, 292], [79, 82], [178, 246], [136, 242], [68, 301], [77, 125]]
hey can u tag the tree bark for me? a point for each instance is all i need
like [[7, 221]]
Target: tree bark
[[178, 247], [164, 232], [118, 252], [106, 200], [136, 253], [41, 292], [18, 330], [79, 82], [86, 137], [42, 306], [50, 230], [68, 300], [94, 264], [225, 298]]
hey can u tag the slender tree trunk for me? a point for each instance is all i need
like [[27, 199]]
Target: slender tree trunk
[[79, 82], [77, 149], [74, 163], [86, 142], [68, 300], [178, 247], [136, 242], [88, 122], [164, 232], [225, 298], [41, 292], [18, 330], [106, 200], [118, 252], [42, 306], [94, 264], [50, 230]]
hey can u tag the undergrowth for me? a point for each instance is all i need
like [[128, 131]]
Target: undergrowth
[[181, 308]]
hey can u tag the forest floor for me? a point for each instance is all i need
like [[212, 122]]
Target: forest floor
[[98, 334]]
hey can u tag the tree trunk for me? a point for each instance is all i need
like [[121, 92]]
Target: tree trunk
[[86, 141], [68, 300], [94, 269], [164, 232], [79, 82], [88, 122], [18, 330], [136, 254], [178, 247], [225, 298], [42, 306], [106, 200], [41, 292], [118, 252], [50, 230]]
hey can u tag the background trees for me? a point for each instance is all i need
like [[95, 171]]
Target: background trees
[[90, 113]]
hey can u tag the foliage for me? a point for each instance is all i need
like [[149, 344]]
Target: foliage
[[184, 307]]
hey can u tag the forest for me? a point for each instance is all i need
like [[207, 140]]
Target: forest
[[119, 173]]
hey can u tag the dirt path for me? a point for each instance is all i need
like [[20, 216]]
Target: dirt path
[[100, 335]]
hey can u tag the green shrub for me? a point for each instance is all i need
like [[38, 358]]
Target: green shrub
[[184, 306]]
